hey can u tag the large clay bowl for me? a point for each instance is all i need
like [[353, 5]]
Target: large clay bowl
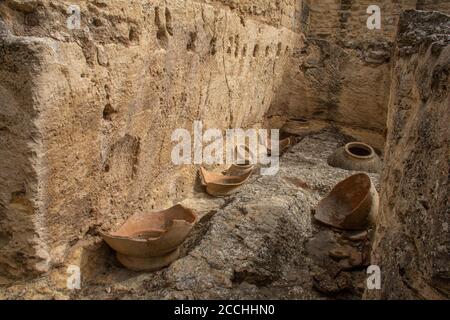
[[150, 241], [351, 205], [220, 185], [356, 156], [239, 169]]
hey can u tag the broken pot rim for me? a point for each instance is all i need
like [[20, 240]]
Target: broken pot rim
[[365, 176], [244, 168], [342, 182], [242, 179], [360, 145], [246, 165], [162, 232]]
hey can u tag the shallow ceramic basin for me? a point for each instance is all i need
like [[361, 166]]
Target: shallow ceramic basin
[[220, 185], [150, 241]]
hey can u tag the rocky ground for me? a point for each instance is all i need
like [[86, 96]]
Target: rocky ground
[[260, 243]]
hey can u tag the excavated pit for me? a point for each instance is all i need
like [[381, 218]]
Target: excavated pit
[[89, 108], [256, 244]]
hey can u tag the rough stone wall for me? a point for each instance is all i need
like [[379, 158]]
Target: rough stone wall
[[98, 106], [412, 241], [21, 224], [436, 5], [342, 72], [276, 13]]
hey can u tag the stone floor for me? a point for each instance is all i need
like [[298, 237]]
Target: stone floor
[[260, 243]]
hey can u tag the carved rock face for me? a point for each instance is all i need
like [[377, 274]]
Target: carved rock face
[[150, 241], [352, 204]]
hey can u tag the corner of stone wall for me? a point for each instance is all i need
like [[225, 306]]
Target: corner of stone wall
[[412, 240]]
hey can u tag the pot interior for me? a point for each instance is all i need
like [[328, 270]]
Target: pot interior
[[345, 198], [348, 195], [154, 225], [360, 150]]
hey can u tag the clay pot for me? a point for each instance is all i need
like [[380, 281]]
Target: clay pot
[[356, 156], [351, 205], [150, 241], [239, 169], [220, 185]]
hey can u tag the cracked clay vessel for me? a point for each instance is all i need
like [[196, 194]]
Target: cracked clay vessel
[[351, 205], [220, 185], [150, 241], [239, 169]]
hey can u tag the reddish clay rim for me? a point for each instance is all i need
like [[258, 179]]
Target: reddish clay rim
[[359, 150], [189, 218]]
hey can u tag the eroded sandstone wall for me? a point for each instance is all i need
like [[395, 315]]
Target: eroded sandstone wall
[[342, 72], [412, 242], [22, 243], [87, 120]]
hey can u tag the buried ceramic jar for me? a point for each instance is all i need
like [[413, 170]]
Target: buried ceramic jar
[[351, 205], [151, 241], [356, 156]]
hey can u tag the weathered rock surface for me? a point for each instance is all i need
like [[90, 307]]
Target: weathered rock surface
[[342, 71], [258, 243], [86, 118], [412, 243], [87, 114]]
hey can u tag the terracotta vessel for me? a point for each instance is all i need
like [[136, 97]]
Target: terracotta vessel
[[245, 155], [220, 185], [356, 156], [239, 169], [150, 241], [351, 205]]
